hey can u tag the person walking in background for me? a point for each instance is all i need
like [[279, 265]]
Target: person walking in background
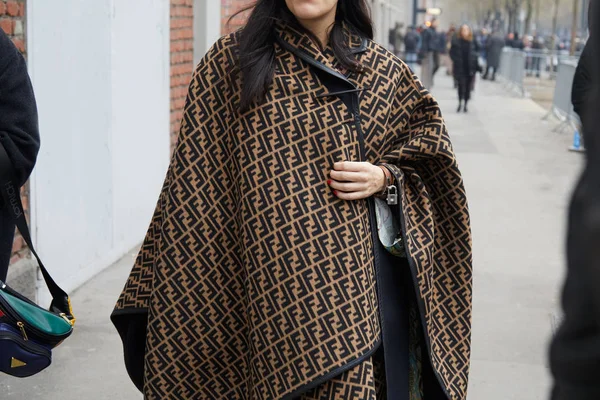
[[19, 134], [441, 47], [517, 43], [482, 39], [262, 275], [495, 45], [466, 65], [430, 52], [537, 47], [575, 349], [399, 39], [444, 50], [450, 38], [396, 39], [510, 38], [411, 47], [392, 39]]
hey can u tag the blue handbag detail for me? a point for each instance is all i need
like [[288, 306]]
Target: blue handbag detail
[[19, 357]]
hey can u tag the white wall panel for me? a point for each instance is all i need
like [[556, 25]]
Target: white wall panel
[[140, 114], [207, 26], [100, 74]]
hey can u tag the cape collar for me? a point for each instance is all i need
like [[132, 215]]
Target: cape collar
[[300, 43]]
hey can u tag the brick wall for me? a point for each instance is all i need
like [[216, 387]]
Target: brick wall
[[182, 50], [182, 59], [228, 8], [12, 21]]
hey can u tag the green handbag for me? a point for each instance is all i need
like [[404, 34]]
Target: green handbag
[[34, 322], [28, 333]]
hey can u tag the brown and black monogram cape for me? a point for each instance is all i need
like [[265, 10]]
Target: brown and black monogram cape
[[254, 281]]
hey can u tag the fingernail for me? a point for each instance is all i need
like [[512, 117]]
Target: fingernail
[[335, 192], [329, 182]]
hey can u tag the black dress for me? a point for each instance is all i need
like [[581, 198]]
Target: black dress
[[466, 64]]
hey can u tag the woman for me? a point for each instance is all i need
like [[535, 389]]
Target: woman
[[466, 65], [262, 275], [19, 134]]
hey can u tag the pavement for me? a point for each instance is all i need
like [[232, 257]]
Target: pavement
[[518, 176]]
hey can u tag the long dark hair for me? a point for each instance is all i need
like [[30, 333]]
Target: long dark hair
[[256, 57]]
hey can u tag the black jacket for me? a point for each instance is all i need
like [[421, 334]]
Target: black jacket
[[575, 351], [411, 42], [517, 44], [462, 67], [582, 81], [18, 130], [429, 41]]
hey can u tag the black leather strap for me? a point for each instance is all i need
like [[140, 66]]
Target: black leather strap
[[12, 201]]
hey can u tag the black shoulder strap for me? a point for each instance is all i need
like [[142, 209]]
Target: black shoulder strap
[[9, 189]]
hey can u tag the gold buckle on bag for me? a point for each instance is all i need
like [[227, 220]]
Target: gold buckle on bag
[[71, 321]]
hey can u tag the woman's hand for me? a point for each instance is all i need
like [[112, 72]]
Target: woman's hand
[[352, 180]]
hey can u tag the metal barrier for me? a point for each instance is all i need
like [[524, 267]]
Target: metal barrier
[[504, 64], [562, 108], [518, 66], [512, 69], [544, 63], [518, 71]]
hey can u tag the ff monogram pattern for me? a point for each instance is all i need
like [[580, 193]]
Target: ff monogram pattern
[[258, 282]]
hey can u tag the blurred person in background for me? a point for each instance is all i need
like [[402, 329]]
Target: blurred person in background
[[575, 349], [430, 46], [19, 134], [392, 38], [451, 40], [527, 40], [466, 65], [537, 47], [450, 37], [396, 38], [443, 51], [495, 44], [517, 43], [510, 38], [481, 42], [441, 42], [411, 47], [399, 41]]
